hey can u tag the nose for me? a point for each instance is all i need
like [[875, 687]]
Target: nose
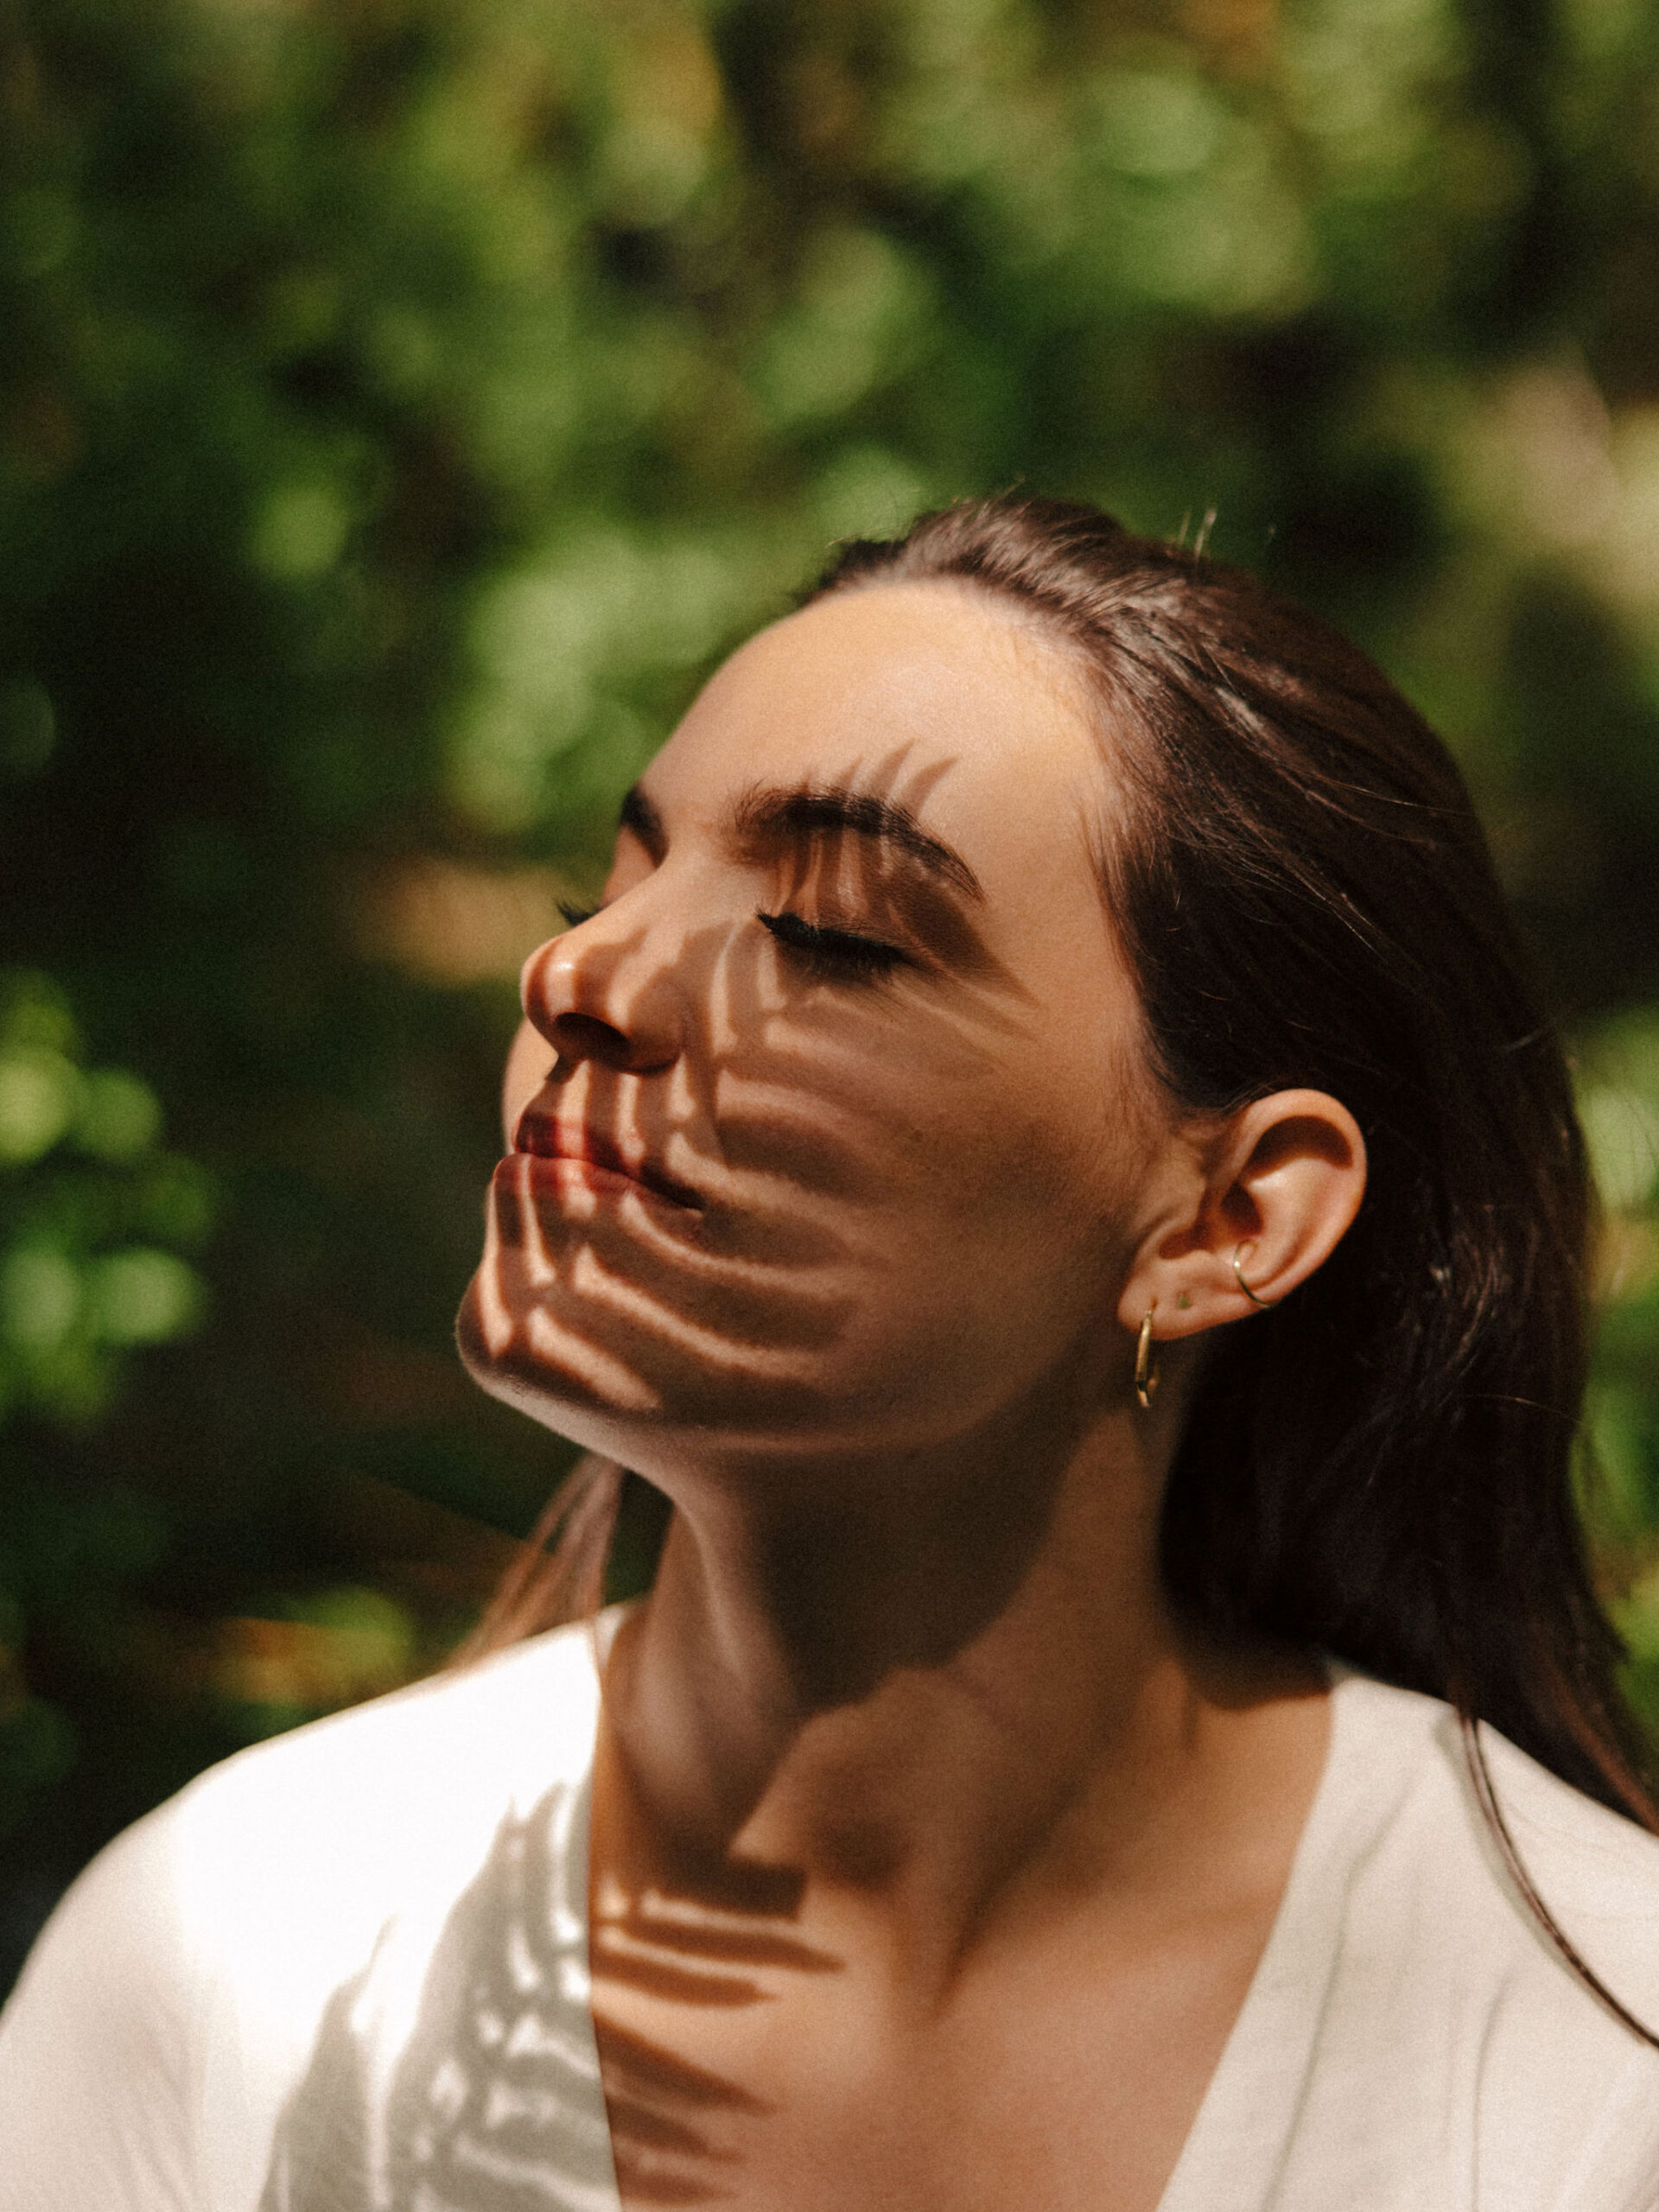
[[604, 991]]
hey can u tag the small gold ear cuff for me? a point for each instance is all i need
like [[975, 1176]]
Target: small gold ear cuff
[[1239, 1251]]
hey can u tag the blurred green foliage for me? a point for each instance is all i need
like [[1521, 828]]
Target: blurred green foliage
[[402, 401], [81, 1178]]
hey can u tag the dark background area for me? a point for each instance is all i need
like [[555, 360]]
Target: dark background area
[[402, 401]]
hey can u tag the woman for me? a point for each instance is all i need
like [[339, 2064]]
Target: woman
[[1045, 1157]]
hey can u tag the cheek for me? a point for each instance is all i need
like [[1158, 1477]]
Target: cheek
[[1009, 1198], [937, 1129]]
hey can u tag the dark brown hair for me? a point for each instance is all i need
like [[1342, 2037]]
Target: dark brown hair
[[1380, 1466]]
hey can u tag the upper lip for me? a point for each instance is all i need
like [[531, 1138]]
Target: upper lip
[[543, 1135]]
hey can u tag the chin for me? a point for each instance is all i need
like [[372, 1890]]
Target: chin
[[621, 1387], [582, 1395]]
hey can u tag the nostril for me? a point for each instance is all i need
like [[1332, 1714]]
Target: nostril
[[583, 1037]]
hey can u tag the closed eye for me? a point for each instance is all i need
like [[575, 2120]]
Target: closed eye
[[840, 954]]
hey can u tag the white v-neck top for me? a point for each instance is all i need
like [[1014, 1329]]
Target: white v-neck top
[[347, 1972]]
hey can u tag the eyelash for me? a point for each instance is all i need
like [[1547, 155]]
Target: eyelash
[[837, 955]]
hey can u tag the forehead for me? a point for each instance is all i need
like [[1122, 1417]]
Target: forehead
[[933, 695]]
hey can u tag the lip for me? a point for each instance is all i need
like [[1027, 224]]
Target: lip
[[596, 1158]]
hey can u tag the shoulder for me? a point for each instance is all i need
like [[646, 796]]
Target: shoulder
[[322, 1832], [1591, 1866], [336, 1817], [1445, 1976], [214, 1930], [420, 1769], [102, 2018]]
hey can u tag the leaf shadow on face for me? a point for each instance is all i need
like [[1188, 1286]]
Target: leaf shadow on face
[[768, 1110]]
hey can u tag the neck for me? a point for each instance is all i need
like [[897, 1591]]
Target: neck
[[919, 1694]]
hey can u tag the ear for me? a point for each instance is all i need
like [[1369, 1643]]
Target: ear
[[1284, 1179], [528, 1059]]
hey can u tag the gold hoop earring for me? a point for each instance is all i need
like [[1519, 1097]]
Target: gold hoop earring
[[1146, 1367], [1238, 1277]]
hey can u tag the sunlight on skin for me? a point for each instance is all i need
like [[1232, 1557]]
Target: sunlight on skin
[[929, 1864], [607, 1292], [562, 1351], [787, 1101]]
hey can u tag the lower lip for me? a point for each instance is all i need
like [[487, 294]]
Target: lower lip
[[533, 1175]]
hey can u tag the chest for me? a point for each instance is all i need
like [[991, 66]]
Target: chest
[[1068, 2079]]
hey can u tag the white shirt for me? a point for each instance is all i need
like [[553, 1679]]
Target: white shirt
[[347, 1972]]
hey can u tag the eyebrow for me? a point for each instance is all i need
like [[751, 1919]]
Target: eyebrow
[[810, 809]]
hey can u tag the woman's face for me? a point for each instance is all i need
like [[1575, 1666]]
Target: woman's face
[[831, 1133]]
